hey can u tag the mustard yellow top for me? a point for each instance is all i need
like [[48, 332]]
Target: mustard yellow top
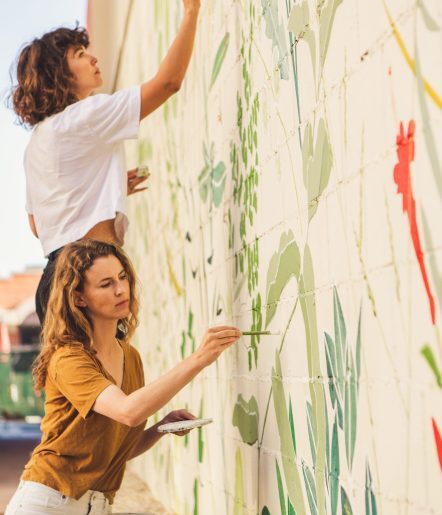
[[80, 449]]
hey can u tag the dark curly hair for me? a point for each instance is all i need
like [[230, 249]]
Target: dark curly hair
[[44, 81]]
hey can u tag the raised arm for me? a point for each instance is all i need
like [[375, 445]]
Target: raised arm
[[135, 408], [171, 72]]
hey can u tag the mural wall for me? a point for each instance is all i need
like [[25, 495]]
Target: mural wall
[[296, 188]]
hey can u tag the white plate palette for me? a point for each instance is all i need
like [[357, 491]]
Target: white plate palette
[[183, 425]]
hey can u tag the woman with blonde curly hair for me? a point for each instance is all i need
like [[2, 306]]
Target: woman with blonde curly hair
[[96, 401], [76, 184]]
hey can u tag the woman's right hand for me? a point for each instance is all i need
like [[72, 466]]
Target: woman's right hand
[[191, 5], [215, 341]]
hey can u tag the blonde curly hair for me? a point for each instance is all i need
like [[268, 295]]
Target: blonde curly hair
[[66, 323]]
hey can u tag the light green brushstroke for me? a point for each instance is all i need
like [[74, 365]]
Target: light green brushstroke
[[310, 489], [291, 473], [430, 141], [239, 485], [280, 488], [351, 406], [432, 258], [427, 353], [219, 58], [246, 419], [317, 164], [326, 20], [276, 32], [308, 307], [284, 265], [430, 22], [299, 24]]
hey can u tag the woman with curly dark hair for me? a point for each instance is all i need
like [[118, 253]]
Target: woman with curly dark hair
[[75, 179], [96, 401]]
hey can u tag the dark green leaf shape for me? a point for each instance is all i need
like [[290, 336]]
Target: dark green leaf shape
[[336, 396], [265, 511], [292, 424], [335, 469], [326, 20], [358, 348], [280, 488], [427, 353], [200, 436], [311, 424], [246, 418], [284, 265], [310, 489], [219, 58], [317, 164], [370, 499], [299, 24], [291, 473], [290, 509], [345, 503], [195, 497], [275, 30], [351, 407]]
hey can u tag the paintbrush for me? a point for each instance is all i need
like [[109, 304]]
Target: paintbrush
[[260, 333]]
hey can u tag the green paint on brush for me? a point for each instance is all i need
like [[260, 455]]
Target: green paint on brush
[[246, 419]]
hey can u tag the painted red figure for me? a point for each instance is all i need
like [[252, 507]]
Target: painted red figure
[[402, 177], [438, 439]]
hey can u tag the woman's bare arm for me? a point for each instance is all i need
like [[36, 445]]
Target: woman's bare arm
[[171, 72], [32, 225], [133, 409]]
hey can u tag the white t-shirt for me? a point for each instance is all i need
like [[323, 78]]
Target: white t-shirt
[[74, 165]]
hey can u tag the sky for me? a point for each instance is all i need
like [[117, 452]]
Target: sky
[[21, 21]]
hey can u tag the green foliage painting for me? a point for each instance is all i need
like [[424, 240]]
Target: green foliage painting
[[295, 193]]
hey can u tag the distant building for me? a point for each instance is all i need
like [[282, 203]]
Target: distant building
[[19, 323]]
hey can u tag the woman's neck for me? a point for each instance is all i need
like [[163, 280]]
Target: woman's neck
[[104, 339]]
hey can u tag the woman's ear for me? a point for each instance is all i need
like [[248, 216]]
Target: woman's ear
[[78, 300]]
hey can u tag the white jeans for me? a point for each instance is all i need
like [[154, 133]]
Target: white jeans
[[32, 498]]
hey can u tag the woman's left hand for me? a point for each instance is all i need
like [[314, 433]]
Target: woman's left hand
[[133, 181], [177, 415]]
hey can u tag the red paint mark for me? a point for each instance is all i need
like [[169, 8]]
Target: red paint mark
[[438, 439], [402, 177]]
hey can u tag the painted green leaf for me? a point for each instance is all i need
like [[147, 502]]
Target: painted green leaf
[[280, 488], [291, 473], [319, 168], [351, 406], [200, 436], [219, 58], [311, 431], [246, 418], [358, 348], [307, 152], [345, 503], [310, 488], [265, 511], [195, 497], [370, 499], [326, 20], [335, 469], [284, 265], [276, 32], [340, 344], [290, 509], [239, 486], [299, 24], [427, 353]]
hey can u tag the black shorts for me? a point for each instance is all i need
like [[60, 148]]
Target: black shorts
[[44, 286]]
